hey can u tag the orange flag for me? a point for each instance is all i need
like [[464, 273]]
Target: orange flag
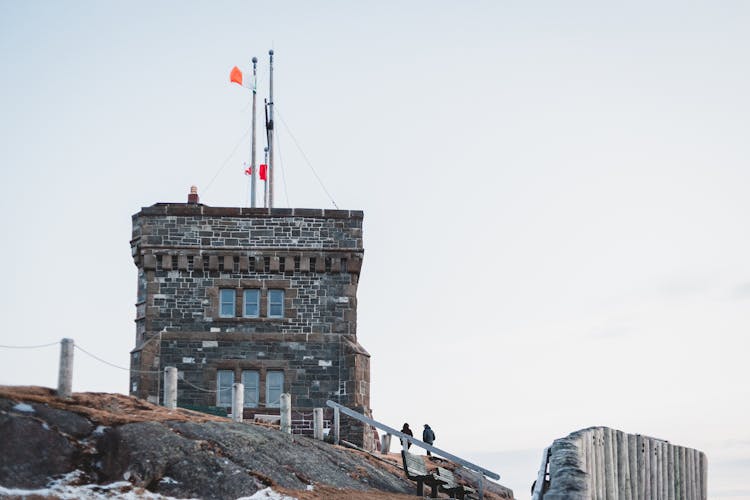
[[236, 76]]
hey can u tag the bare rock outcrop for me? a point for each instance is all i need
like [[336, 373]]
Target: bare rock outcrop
[[197, 458]]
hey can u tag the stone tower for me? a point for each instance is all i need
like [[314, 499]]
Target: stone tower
[[266, 297]]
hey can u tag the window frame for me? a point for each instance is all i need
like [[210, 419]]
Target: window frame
[[245, 293], [270, 403], [256, 401], [221, 391], [231, 292], [280, 292]]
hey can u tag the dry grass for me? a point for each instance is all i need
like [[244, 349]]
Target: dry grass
[[330, 493], [105, 408]]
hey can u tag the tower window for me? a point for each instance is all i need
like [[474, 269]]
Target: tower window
[[275, 303], [224, 381], [274, 388], [250, 379], [251, 301], [226, 302]]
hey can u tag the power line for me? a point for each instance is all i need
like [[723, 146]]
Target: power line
[[112, 364], [28, 346], [231, 155], [309, 164]]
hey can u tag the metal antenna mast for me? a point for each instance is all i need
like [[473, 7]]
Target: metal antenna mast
[[253, 165], [270, 131]]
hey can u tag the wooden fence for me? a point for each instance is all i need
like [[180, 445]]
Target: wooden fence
[[603, 463]]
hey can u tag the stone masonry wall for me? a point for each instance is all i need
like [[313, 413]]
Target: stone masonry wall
[[187, 253]]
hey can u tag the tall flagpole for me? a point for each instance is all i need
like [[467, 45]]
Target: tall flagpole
[[265, 184], [253, 165], [270, 131]]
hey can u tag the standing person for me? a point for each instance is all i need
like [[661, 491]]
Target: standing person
[[405, 429], [428, 436]]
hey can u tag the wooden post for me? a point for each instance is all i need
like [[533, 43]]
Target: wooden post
[[286, 413], [647, 472], [385, 444], [613, 460], [610, 487], [677, 473], [670, 472], [683, 474], [595, 479], [336, 425], [665, 470], [698, 476], [697, 473], [688, 475], [654, 469], [238, 401], [656, 464], [623, 467], [641, 466], [583, 457], [633, 457], [659, 457], [65, 374], [704, 476], [318, 424], [591, 460], [600, 464], [692, 475], [170, 387]]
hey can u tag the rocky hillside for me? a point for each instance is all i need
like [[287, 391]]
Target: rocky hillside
[[106, 439]]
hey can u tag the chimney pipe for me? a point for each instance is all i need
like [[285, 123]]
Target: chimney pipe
[[193, 196]]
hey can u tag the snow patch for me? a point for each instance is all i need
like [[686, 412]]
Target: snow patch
[[100, 430], [269, 494], [67, 489], [24, 408]]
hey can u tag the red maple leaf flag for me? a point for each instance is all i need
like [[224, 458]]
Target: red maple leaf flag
[[263, 171], [236, 76], [249, 171]]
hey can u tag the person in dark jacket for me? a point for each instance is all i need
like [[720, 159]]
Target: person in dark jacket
[[428, 436], [405, 429]]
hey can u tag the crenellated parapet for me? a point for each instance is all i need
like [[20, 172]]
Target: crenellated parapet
[[233, 260]]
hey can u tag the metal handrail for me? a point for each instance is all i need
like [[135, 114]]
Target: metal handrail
[[362, 418]]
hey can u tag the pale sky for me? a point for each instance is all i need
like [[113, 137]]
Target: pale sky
[[555, 198]]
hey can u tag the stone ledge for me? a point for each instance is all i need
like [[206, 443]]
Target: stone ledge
[[200, 210], [249, 337]]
